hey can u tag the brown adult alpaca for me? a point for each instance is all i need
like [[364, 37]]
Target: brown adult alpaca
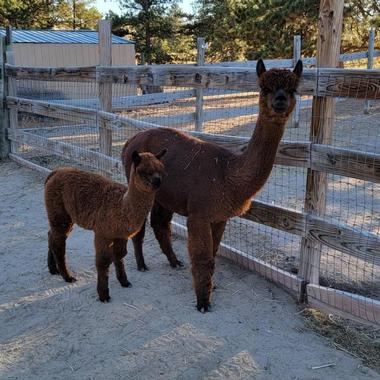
[[208, 183], [108, 208]]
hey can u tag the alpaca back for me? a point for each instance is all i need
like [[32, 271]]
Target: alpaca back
[[87, 198]]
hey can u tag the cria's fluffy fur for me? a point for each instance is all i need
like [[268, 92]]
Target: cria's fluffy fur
[[108, 208], [208, 183]]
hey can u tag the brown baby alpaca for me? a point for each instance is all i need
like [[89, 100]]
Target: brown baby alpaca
[[210, 184], [108, 208]]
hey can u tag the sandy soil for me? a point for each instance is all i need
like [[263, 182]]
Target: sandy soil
[[51, 330]]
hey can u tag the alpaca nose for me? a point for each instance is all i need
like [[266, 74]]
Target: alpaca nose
[[156, 183], [280, 102]]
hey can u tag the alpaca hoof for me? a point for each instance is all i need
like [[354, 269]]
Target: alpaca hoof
[[53, 270], [204, 307], [176, 264], [70, 279], [125, 284], [104, 299], [142, 268]]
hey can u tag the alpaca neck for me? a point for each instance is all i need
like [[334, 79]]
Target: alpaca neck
[[136, 205], [254, 166]]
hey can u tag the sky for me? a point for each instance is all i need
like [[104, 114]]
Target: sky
[[105, 5]]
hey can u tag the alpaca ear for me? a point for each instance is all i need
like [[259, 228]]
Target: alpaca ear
[[136, 158], [260, 68], [161, 154], [298, 69]]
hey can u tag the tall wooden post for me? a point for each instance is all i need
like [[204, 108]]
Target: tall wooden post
[[328, 49], [199, 91], [371, 54], [4, 114], [105, 89], [296, 57], [11, 84]]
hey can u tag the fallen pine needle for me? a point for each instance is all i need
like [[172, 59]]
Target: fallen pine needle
[[324, 366]]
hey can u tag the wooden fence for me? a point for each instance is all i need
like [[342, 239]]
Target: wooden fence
[[316, 156]]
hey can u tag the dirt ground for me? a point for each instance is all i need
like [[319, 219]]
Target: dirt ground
[[51, 330]]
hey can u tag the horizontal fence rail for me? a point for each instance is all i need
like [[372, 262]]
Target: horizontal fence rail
[[317, 82]]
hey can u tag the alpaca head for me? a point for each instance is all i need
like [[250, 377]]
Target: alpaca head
[[278, 88], [147, 170]]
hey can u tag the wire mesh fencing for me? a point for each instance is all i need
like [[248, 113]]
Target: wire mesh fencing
[[349, 255]]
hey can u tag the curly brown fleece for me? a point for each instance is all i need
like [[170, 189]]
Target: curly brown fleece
[[210, 184], [108, 208]]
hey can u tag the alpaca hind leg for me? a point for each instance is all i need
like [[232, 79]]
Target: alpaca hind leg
[[119, 251], [138, 240], [202, 259], [217, 234], [103, 259], [57, 251], [217, 230], [160, 222], [51, 262]]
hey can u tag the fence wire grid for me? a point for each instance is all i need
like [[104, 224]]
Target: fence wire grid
[[350, 202]]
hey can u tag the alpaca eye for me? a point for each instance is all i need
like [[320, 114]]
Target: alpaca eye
[[265, 90], [292, 92]]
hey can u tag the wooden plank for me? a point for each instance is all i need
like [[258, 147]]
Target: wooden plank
[[66, 74], [269, 64], [28, 164], [346, 57], [199, 91], [59, 111], [192, 76], [135, 101], [328, 48], [350, 304], [371, 51], [207, 115], [345, 162], [280, 277], [4, 113], [351, 241], [277, 217], [93, 159], [105, 89], [354, 83]]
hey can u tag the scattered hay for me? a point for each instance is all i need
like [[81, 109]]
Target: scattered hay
[[362, 342]]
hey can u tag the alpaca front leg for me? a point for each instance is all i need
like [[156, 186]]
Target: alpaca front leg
[[202, 259], [119, 252], [103, 261], [138, 240], [160, 219]]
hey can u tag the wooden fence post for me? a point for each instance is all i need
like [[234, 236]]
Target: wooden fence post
[[296, 57], [4, 114], [105, 89], [371, 53], [11, 85], [328, 49], [199, 91]]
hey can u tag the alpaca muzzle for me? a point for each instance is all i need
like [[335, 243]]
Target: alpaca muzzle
[[156, 183], [280, 102]]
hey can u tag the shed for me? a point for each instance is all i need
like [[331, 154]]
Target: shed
[[62, 48]]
